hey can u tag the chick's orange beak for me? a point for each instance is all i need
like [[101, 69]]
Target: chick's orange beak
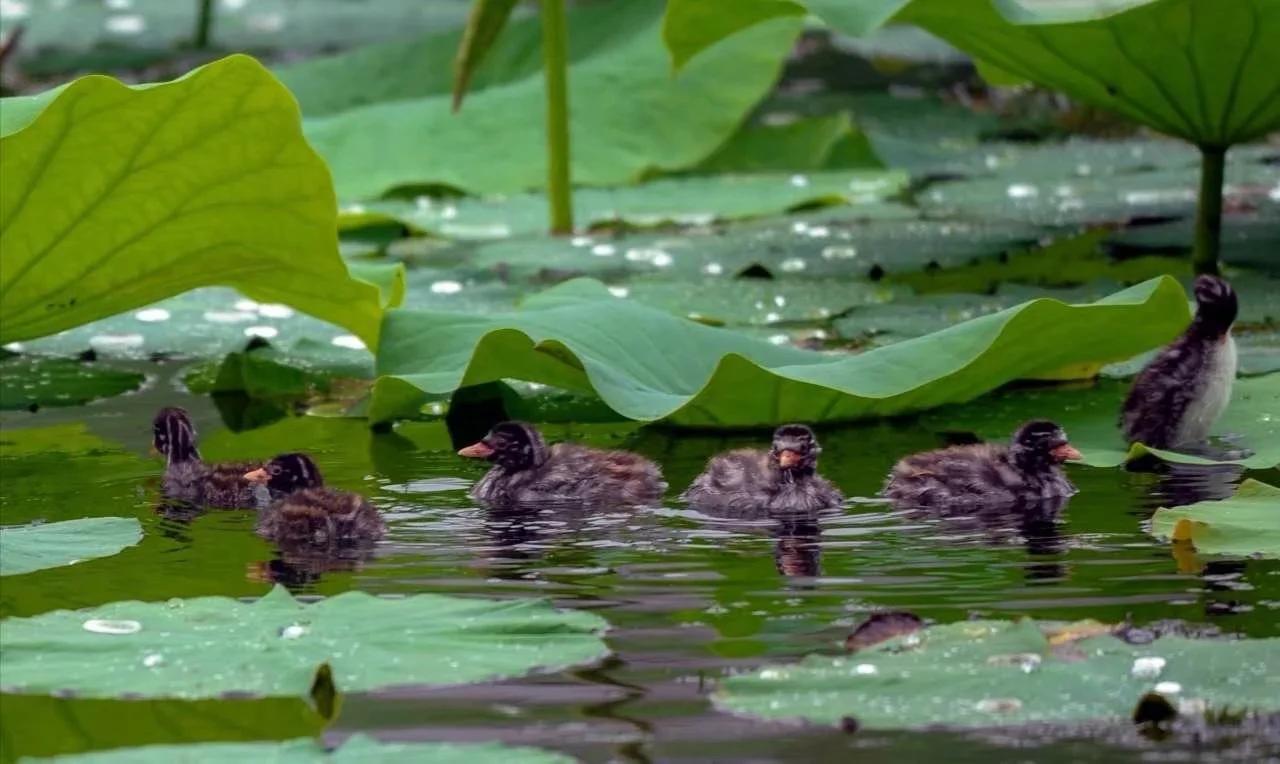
[[788, 458], [478, 450], [1066, 452], [257, 476]]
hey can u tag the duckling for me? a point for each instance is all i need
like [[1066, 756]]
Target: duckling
[[1177, 398], [187, 477], [1028, 471], [783, 478], [528, 471], [303, 510]]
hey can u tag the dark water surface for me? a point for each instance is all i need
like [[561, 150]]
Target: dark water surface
[[690, 597]]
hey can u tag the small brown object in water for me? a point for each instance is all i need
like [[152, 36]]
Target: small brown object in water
[[881, 627]]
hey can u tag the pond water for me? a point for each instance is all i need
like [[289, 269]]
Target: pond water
[[690, 597]]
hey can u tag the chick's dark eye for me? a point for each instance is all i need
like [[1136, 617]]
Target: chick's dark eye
[[275, 470]]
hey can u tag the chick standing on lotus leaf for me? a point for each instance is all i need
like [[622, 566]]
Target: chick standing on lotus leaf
[[187, 477], [528, 471], [964, 478], [303, 510], [783, 478], [1177, 398]]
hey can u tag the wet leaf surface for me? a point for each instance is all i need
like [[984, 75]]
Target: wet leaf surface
[[28, 382], [994, 673], [357, 748], [1247, 523], [177, 648], [24, 548]]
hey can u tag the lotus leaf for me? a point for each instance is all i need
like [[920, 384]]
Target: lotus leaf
[[647, 364], [997, 673], [203, 180], [356, 748], [1245, 524], [207, 646], [26, 548]]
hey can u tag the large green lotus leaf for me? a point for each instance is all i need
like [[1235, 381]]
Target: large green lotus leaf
[[26, 548], [628, 115], [356, 748], [275, 645], [1185, 68], [997, 673], [32, 382], [1091, 417], [1247, 523], [687, 200], [825, 142], [203, 180], [647, 364]]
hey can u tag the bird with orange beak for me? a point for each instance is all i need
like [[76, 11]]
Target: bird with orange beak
[[783, 478]]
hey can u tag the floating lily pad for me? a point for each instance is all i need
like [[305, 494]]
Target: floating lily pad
[[275, 645], [646, 364], [694, 199], [1245, 524], [25, 548], [28, 382], [357, 748], [817, 143], [226, 192], [629, 116], [1091, 419], [998, 673]]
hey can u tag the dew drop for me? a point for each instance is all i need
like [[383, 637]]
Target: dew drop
[[1022, 191], [249, 305], [14, 9], [1168, 688], [865, 669], [835, 252], [128, 24], [1147, 667], [118, 5], [446, 287], [354, 209], [349, 341], [293, 631], [274, 310], [228, 316], [793, 264], [619, 291], [799, 181], [265, 332], [116, 341], [581, 241], [713, 269], [151, 315], [818, 232], [779, 339], [234, 5], [604, 250], [106, 626], [153, 660]]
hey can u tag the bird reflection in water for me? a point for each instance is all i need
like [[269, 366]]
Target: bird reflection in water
[[300, 567], [797, 549]]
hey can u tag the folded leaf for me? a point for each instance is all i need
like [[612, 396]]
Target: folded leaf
[[647, 364], [1247, 523], [113, 197]]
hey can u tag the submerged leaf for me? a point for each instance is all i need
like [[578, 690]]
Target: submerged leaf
[[1247, 523], [356, 748], [647, 364], [996, 673], [26, 548], [274, 646], [203, 180]]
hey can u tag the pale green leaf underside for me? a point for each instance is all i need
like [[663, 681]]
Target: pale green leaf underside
[[27, 548], [1247, 523], [647, 364], [114, 197], [207, 646], [357, 748], [994, 673], [1201, 71]]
